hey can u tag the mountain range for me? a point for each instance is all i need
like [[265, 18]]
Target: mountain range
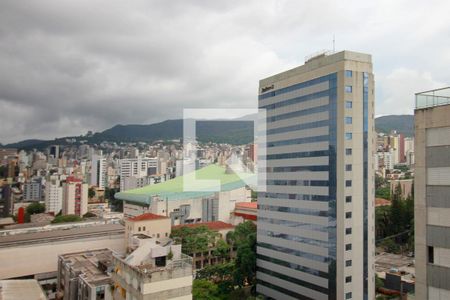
[[222, 131]]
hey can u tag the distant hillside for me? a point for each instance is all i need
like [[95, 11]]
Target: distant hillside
[[232, 132], [402, 123]]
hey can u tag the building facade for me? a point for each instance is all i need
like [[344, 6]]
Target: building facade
[[133, 169], [431, 193], [75, 197], [98, 171], [315, 219], [53, 196], [32, 191]]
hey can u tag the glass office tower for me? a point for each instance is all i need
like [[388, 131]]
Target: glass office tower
[[315, 219]]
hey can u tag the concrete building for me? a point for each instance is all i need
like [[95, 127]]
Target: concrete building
[[34, 251], [6, 201], [151, 225], [21, 289], [98, 171], [316, 218], [184, 207], [85, 275], [153, 276], [75, 197], [136, 168], [53, 196], [32, 191], [432, 190]]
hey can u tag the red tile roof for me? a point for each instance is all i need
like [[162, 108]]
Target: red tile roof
[[146, 216], [216, 225], [381, 202], [251, 205]]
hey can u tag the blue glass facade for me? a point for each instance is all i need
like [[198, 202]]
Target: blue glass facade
[[365, 180], [297, 240]]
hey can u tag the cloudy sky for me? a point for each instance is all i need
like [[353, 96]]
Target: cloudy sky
[[67, 67]]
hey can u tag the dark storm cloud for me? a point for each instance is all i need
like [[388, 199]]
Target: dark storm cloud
[[71, 66]]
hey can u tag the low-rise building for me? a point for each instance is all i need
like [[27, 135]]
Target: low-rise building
[[21, 289], [156, 269], [85, 275], [201, 204], [148, 224]]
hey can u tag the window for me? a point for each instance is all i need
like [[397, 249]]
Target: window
[[348, 295], [348, 215], [348, 88], [348, 104], [348, 279], [167, 234], [157, 235], [143, 229], [348, 231], [348, 73], [348, 136], [348, 120], [348, 151], [348, 199], [348, 183], [348, 167], [139, 228], [431, 254], [348, 247], [348, 263]]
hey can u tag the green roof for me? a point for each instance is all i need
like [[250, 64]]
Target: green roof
[[173, 189]]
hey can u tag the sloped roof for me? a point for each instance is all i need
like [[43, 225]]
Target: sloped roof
[[248, 205], [173, 189], [215, 225], [146, 217]]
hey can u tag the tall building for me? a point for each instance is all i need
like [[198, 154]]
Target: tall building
[[136, 168], [431, 192], [32, 191], [75, 197], [98, 171], [53, 196], [315, 220]]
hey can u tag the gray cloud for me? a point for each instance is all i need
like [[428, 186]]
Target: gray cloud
[[71, 66]]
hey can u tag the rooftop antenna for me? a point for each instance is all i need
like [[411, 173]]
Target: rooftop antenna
[[334, 44]]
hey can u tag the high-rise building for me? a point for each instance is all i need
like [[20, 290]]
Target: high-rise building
[[315, 219], [98, 171], [32, 191], [136, 168], [431, 194], [53, 196], [75, 197]]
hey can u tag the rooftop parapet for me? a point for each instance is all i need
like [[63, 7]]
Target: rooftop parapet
[[433, 98]]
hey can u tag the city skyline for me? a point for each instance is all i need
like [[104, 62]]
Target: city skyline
[[72, 67]]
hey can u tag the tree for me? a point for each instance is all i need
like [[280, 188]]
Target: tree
[[89, 215], [67, 218], [245, 272], [205, 289], [194, 240], [35, 208], [397, 210], [91, 192]]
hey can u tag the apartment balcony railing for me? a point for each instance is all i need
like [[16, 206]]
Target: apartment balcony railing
[[433, 98]]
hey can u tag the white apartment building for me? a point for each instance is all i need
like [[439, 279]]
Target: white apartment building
[[98, 171], [53, 196]]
